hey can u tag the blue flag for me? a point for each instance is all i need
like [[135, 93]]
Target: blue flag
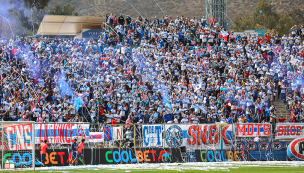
[[107, 133]]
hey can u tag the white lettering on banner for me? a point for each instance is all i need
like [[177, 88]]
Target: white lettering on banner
[[61, 133], [289, 130], [252, 130], [19, 136], [152, 135], [117, 133], [96, 137], [203, 136]]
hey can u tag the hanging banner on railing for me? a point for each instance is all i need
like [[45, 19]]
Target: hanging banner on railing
[[152, 135], [118, 133], [96, 137], [61, 133], [107, 133], [18, 136], [289, 130], [204, 136], [251, 129]]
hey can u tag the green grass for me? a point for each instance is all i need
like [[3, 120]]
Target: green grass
[[289, 167]]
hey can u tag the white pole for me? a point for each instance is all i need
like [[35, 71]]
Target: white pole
[[2, 145], [33, 153]]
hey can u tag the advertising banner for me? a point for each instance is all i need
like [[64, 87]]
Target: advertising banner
[[96, 156], [205, 136], [152, 135], [18, 136], [61, 133], [96, 137], [138, 155], [221, 155], [289, 130], [251, 129]]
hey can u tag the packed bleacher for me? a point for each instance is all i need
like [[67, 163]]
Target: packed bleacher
[[167, 70]]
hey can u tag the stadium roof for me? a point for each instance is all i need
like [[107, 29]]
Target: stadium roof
[[68, 25]]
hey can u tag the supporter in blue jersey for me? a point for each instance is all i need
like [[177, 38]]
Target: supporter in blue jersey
[[74, 151]]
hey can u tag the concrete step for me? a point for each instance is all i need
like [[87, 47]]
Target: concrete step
[[281, 109]]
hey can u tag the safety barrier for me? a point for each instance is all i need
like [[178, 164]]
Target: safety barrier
[[161, 143]]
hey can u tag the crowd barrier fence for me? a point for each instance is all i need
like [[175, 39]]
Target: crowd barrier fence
[[160, 143]]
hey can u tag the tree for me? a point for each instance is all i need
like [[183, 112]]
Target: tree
[[237, 23], [264, 14], [247, 22], [284, 24], [38, 4], [297, 15], [29, 22], [67, 9]]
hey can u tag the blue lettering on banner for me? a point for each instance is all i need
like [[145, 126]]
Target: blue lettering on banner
[[208, 156], [19, 158], [225, 160], [217, 156], [152, 135], [116, 153], [132, 160], [124, 153], [25, 159]]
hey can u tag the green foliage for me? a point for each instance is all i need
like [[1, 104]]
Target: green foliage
[[297, 15], [265, 16], [38, 4], [244, 22], [237, 23], [28, 22], [284, 24], [67, 9], [268, 17]]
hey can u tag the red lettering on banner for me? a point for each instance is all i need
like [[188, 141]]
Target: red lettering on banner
[[71, 131], [202, 134], [280, 131], [240, 130], [119, 133], [286, 130], [224, 134], [192, 134], [41, 140], [250, 132], [258, 125], [62, 129], [19, 136], [28, 129], [266, 128], [199, 132], [291, 132], [61, 156], [153, 154], [213, 134], [46, 133], [68, 137], [298, 130]]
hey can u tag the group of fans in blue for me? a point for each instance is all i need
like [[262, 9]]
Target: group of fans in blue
[[168, 70]]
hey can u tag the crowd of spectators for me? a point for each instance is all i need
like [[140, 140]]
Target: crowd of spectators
[[182, 70]]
